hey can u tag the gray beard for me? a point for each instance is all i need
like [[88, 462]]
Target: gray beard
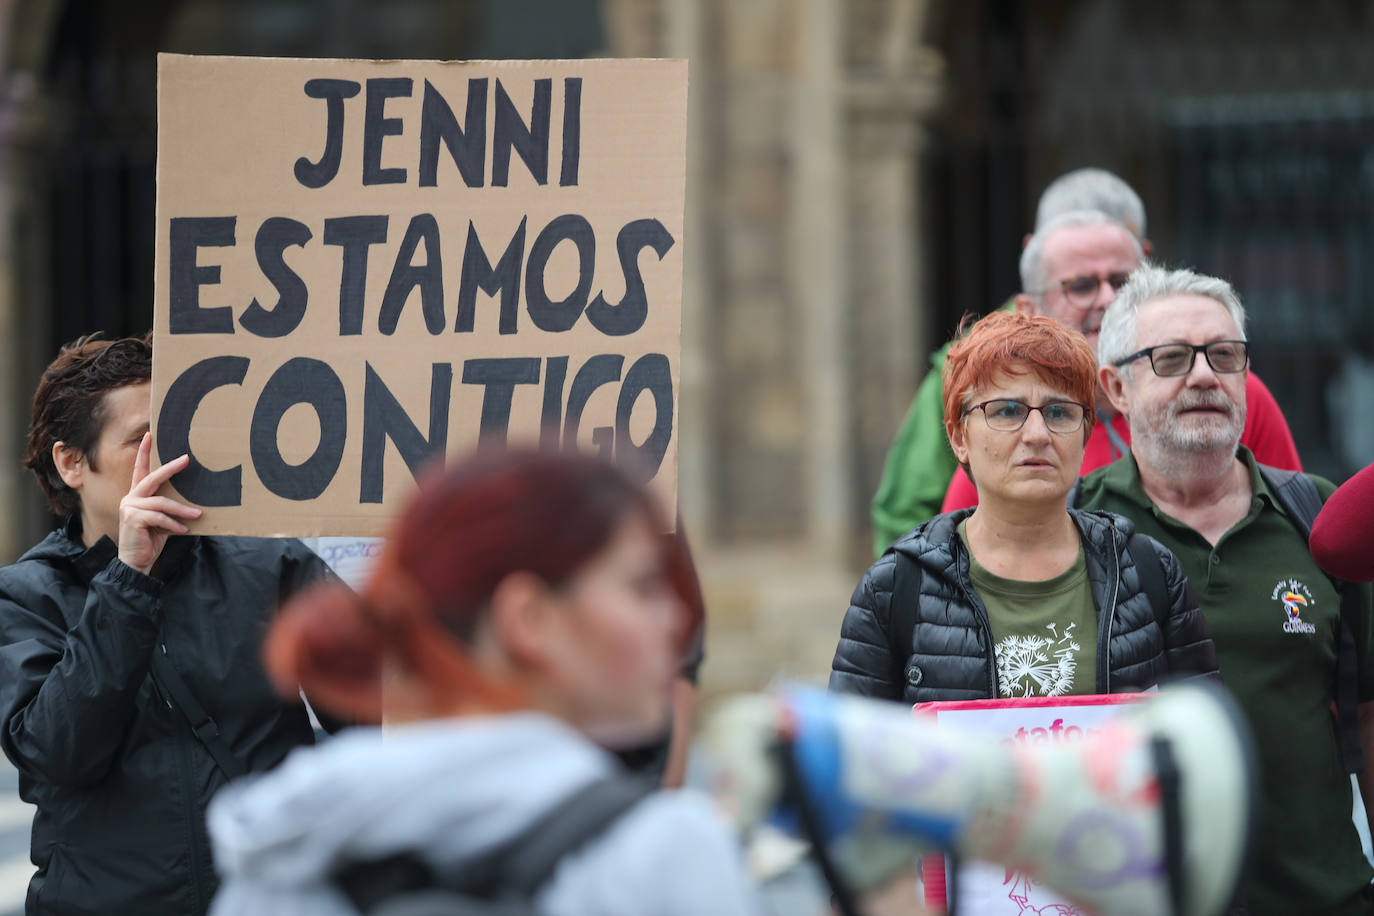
[[1204, 437], [1177, 449]]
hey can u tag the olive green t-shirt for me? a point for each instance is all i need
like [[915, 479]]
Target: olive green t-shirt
[[1044, 634], [1274, 618]]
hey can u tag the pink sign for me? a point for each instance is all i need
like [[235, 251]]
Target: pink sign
[[995, 890]]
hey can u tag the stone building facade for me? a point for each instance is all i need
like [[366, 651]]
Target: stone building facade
[[803, 258], [860, 173]]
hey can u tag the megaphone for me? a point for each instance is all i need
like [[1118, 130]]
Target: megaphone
[[1150, 816]]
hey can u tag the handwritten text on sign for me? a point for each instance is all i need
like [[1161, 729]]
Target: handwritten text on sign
[[363, 265]]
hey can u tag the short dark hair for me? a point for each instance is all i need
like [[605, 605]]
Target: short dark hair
[[68, 406]]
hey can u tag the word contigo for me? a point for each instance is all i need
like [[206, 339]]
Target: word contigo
[[304, 380]]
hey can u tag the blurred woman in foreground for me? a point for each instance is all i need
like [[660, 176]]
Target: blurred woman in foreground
[[524, 611], [525, 607]]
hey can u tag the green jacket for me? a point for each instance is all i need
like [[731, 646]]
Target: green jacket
[[919, 464]]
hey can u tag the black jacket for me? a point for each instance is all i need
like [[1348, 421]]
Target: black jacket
[[118, 777], [951, 652]]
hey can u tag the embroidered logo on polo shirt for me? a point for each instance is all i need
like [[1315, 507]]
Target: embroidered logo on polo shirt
[[1296, 598]]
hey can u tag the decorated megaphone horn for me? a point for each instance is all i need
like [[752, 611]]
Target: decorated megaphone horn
[[1149, 817]]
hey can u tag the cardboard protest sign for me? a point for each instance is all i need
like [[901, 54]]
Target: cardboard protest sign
[[993, 889], [364, 265]]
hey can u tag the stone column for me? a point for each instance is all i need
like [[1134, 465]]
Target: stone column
[[818, 280], [696, 442], [24, 302], [893, 83], [801, 311]]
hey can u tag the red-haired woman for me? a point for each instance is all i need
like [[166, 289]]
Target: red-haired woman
[[525, 610], [1020, 596]]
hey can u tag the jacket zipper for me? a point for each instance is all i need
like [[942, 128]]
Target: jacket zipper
[[1104, 635], [189, 805], [990, 657]]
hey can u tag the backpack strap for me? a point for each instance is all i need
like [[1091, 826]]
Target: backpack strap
[[1117, 447], [901, 614], [179, 695], [175, 691], [565, 829], [514, 869], [1299, 497], [1347, 697], [1150, 569], [371, 884], [1297, 494]]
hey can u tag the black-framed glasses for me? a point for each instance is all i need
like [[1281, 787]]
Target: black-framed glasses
[[1175, 359], [1081, 291], [1006, 415]]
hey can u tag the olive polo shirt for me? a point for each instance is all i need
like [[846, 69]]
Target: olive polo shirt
[[1274, 618]]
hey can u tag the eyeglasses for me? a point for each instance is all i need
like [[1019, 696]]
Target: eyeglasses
[[1170, 360], [1007, 416], [1081, 291]]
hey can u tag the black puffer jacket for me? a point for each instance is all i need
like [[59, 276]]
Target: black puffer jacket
[[951, 657], [119, 779]]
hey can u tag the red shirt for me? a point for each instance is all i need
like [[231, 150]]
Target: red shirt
[[1266, 434]]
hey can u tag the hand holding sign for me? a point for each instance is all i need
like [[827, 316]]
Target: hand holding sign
[[146, 519]]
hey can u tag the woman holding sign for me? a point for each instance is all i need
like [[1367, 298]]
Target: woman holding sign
[[1020, 596]]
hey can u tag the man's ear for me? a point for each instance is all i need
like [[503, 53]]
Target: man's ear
[[523, 619], [1025, 304], [70, 462], [1147, 247], [1114, 384]]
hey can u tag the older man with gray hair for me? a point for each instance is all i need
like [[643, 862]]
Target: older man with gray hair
[[1291, 643], [1070, 271], [1093, 189]]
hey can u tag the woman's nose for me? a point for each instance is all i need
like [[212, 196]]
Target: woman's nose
[[1034, 428]]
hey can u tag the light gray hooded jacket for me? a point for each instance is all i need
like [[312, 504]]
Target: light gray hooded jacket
[[448, 791]]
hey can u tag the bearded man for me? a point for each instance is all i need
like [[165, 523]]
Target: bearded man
[[1292, 644]]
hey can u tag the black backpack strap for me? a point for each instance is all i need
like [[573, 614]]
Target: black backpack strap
[[1347, 698], [1117, 446], [901, 613], [180, 696], [516, 868], [1169, 780], [1297, 494], [370, 884], [1150, 569], [565, 829], [1300, 498]]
